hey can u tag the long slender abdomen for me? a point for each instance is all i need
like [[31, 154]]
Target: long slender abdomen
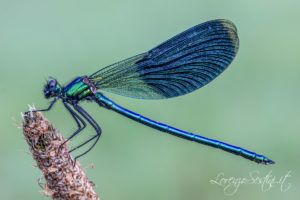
[[104, 101]]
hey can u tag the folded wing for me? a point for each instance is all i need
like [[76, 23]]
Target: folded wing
[[176, 67]]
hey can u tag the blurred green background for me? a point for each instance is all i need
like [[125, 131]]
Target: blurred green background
[[253, 104]]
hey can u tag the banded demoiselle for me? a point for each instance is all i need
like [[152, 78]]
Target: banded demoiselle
[[176, 67]]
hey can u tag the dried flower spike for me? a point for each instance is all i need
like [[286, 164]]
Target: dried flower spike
[[64, 181]]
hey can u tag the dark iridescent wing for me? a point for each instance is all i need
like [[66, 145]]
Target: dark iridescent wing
[[176, 67]]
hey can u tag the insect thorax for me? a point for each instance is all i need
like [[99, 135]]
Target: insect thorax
[[78, 89]]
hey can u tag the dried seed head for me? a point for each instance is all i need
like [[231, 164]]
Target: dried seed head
[[63, 179]]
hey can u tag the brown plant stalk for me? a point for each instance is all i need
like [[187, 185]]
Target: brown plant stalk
[[65, 179]]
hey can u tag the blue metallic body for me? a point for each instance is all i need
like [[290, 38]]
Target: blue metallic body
[[107, 103], [178, 66]]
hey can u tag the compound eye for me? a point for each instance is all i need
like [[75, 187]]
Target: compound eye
[[52, 82]]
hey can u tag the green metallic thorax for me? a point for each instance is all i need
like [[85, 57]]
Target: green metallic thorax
[[77, 89]]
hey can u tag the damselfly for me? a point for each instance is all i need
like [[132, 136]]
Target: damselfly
[[176, 67]]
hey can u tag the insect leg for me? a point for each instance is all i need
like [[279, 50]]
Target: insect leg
[[50, 106], [47, 109], [76, 118], [94, 124]]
